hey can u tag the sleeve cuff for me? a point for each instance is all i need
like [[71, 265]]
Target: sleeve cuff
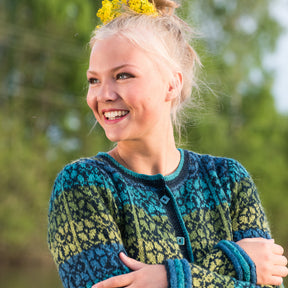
[[243, 264], [178, 273]]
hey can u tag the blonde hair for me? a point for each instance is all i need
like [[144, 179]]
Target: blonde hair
[[165, 36]]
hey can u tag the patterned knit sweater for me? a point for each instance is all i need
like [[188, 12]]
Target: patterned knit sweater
[[189, 221]]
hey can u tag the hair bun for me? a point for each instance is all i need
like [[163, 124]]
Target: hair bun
[[165, 7]]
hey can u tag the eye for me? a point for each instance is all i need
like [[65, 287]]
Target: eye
[[93, 81], [123, 76]]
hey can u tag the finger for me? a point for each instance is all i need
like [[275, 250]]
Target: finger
[[280, 260], [280, 271], [115, 282], [277, 281], [130, 262], [277, 249]]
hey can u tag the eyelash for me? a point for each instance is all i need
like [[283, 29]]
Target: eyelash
[[119, 76], [91, 81], [126, 76]]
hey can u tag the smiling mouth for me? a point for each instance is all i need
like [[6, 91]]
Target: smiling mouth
[[113, 115]]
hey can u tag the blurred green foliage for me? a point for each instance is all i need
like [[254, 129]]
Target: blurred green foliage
[[45, 122]]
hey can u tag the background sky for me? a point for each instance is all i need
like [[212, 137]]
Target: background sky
[[279, 61]]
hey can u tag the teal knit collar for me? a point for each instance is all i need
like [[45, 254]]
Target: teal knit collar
[[156, 177]]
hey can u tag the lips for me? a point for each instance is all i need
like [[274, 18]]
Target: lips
[[115, 114]]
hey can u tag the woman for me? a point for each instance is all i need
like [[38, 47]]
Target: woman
[[147, 214]]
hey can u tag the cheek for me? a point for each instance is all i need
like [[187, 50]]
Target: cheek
[[89, 104], [92, 103], [90, 100]]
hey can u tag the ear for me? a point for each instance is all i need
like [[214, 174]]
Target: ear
[[175, 86]]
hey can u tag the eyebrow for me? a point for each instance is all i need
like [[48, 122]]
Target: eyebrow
[[113, 69]]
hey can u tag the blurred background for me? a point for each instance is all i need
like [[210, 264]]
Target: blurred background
[[45, 122]]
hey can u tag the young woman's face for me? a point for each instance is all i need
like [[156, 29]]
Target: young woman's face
[[128, 92]]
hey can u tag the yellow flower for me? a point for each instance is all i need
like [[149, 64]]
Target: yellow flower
[[142, 7], [112, 9]]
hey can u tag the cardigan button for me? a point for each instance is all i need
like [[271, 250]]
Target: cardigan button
[[165, 199], [180, 241]]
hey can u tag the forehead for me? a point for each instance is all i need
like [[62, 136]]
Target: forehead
[[112, 43], [116, 50]]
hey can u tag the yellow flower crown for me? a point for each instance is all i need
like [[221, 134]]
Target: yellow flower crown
[[112, 8]]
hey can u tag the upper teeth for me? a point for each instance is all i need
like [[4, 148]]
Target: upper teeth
[[115, 114]]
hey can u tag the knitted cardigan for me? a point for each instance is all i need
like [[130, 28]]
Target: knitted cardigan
[[189, 221]]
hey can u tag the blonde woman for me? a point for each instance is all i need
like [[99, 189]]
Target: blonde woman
[[147, 214]]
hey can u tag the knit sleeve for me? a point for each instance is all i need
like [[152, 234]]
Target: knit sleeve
[[83, 235], [181, 273], [248, 221], [247, 213]]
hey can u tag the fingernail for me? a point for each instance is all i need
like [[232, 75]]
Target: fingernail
[[122, 252]]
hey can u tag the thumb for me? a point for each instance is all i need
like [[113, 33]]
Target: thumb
[[130, 262]]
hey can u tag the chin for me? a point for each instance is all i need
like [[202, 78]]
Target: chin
[[113, 137], [120, 135]]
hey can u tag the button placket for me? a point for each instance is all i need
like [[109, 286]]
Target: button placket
[[167, 199]]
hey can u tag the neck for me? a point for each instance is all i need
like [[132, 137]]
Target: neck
[[148, 158]]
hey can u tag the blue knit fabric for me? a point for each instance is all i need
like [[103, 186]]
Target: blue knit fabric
[[240, 259], [99, 208], [179, 273], [171, 273], [187, 273], [253, 276], [234, 259]]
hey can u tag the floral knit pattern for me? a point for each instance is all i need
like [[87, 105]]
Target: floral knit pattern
[[98, 208]]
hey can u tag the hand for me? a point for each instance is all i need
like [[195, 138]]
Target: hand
[[268, 258], [143, 275]]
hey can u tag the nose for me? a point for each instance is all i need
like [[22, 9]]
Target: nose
[[106, 92]]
